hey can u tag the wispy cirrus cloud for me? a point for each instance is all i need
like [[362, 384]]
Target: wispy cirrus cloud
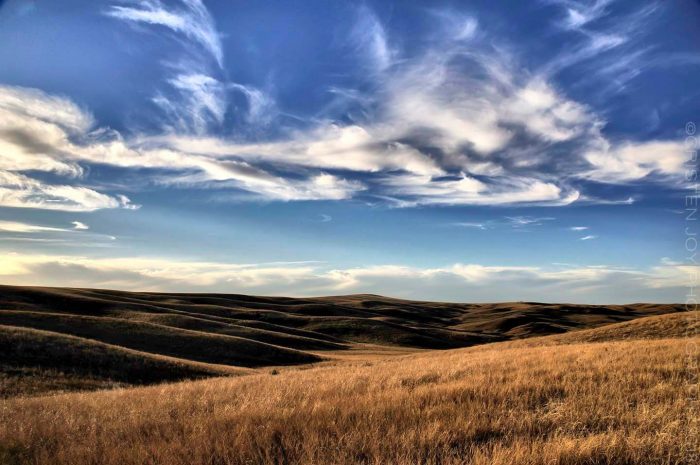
[[473, 225], [411, 190], [21, 232], [607, 43], [187, 17], [21, 227], [17, 190], [63, 146], [631, 161], [195, 96], [200, 101], [370, 38], [579, 14], [521, 221], [36, 134], [331, 146], [462, 121]]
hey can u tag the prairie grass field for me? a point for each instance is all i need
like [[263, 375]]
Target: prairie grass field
[[603, 396]]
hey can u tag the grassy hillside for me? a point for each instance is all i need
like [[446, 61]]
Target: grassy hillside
[[36, 361], [253, 332], [562, 400], [357, 318], [166, 340], [673, 325]]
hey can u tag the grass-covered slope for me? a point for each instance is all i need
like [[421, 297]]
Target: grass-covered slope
[[564, 400], [323, 323], [252, 331], [158, 339], [672, 325], [36, 361]]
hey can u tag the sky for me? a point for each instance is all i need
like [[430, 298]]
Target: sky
[[457, 151]]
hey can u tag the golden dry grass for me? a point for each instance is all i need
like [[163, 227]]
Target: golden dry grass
[[620, 402], [672, 325]]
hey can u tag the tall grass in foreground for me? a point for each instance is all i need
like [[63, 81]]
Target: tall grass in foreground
[[603, 403]]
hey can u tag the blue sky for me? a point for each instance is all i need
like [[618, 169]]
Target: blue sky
[[464, 151]]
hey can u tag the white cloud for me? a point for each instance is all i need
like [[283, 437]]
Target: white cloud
[[578, 228], [424, 190], [35, 125], [405, 173], [590, 43], [455, 25], [477, 96], [416, 178], [428, 95], [370, 38], [37, 105], [458, 282], [77, 225], [261, 107], [547, 114], [588, 238], [38, 137], [103, 147], [150, 273], [190, 18], [195, 100], [238, 175], [631, 161], [520, 221], [608, 48], [201, 101], [461, 123], [19, 227], [330, 146], [482, 226], [602, 201], [580, 13], [17, 190]]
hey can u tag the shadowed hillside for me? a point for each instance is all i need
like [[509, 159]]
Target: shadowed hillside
[[252, 331], [673, 325], [35, 361]]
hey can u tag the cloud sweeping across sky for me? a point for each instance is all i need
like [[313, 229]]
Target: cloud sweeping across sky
[[485, 116], [460, 121]]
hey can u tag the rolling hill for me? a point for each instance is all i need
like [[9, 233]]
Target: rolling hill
[[616, 394], [40, 362], [201, 335]]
